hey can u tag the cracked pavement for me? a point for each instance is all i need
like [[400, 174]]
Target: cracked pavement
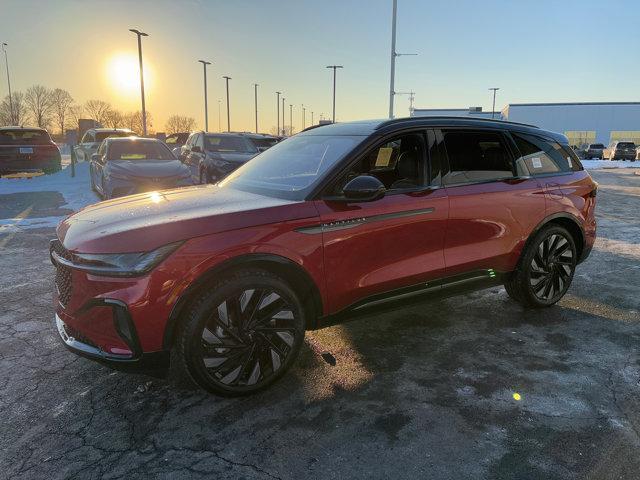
[[427, 391]]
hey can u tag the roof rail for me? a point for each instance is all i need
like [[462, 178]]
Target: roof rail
[[449, 117]]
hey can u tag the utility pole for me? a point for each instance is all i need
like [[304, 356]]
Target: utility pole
[[394, 54], [255, 88], [283, 127], [6, 64], [228, 114], [303, 121], [278, 112], [312, 118], [144, 111], [493, 109], [335, 67], [206, 108], [219, 107], [291, 118]]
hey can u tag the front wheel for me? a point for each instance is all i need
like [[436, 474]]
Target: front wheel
[[545, 270], [243, 334]]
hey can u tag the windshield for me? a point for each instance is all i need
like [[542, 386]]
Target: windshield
[[626, 145], [139, 150], [228, 144], [293, 167], [19, 137], [102, 135]]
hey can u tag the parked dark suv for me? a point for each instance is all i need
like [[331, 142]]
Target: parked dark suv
[[325, 225], [212, 156]]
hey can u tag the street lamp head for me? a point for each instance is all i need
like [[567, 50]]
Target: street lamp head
[[204, 62], [138, 32], [228, 78], [335, 66]]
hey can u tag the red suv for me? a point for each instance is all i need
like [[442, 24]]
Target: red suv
[[327, 224]]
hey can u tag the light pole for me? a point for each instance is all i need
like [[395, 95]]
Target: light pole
[[206, 109], [228, 114], [302, 117], [334, 67], [493, 109], [144, 111], [394, 54], [312, 118], [291, 118], [278, 112], [283, 129], [219, 107], [6, 64], [255, 91]]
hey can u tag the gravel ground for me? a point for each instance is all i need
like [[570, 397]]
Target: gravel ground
[[471, 387]]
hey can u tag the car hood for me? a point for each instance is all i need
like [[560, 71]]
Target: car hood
[[146, 168], [147, 221], [232, 157]]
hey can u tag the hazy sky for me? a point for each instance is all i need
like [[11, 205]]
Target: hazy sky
[[535, 51]]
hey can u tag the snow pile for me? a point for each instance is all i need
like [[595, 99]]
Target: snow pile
[[76, 192], [593, 164]]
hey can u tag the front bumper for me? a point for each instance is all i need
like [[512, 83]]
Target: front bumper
[[156, 363]]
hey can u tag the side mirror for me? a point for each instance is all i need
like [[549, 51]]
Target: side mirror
[[196, 149], [364, 188], [95, 158]]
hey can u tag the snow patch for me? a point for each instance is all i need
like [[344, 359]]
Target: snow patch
[[594, 164]]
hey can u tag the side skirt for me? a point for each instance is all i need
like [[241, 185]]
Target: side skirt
[[400, 298]]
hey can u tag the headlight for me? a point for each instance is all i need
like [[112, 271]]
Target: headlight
[[119, 264]]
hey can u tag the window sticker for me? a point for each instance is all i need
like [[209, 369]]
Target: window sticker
[[384, 156], [570, 163], [535, 161]]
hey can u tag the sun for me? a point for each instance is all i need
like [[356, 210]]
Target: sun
[[124, 74]]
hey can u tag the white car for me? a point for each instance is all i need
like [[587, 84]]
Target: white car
[[92, 139]]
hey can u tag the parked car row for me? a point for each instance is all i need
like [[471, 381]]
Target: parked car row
[[617, 150]]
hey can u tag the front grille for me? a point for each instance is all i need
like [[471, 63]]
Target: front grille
[[63, 273]]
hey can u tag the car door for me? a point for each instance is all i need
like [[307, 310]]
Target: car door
[[85, 146], [375, 248], [192, 157], [494, 203], [97, 167]]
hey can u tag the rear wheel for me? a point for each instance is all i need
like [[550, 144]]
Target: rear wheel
[[243, 334], [545, 270]]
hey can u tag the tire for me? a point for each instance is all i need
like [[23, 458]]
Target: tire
[[545, 269], [261, 339]]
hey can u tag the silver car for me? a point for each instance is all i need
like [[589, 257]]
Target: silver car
[[92, 139]]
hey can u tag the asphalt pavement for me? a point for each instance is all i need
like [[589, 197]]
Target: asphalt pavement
[[470, 387]]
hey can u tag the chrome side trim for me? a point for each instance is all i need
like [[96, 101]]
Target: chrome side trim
[[356, 222], [83, 348]]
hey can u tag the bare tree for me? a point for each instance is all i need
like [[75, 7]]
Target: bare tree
[[98, 110], [39, 101], [114, 119], [133, 121], [62, 102], [75, 113], [19, 109], [179, 123]]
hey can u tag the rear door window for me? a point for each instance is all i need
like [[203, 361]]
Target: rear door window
[[541, 156], [476, 156]]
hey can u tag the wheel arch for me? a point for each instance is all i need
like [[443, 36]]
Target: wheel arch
[[569, 222], [299, 279]]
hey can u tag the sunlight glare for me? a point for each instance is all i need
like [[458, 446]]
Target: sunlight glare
[[124, 74]]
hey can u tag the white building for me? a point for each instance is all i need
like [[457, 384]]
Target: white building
[[587, 122], [474, 112]]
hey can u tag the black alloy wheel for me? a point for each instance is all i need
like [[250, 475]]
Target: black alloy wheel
[[243, 334], [551, 268], [545, 269]]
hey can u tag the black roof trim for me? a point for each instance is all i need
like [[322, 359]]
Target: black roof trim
[[569, 104], [436, 118]]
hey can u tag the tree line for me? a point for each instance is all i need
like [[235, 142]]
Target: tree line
[[47, 108]]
